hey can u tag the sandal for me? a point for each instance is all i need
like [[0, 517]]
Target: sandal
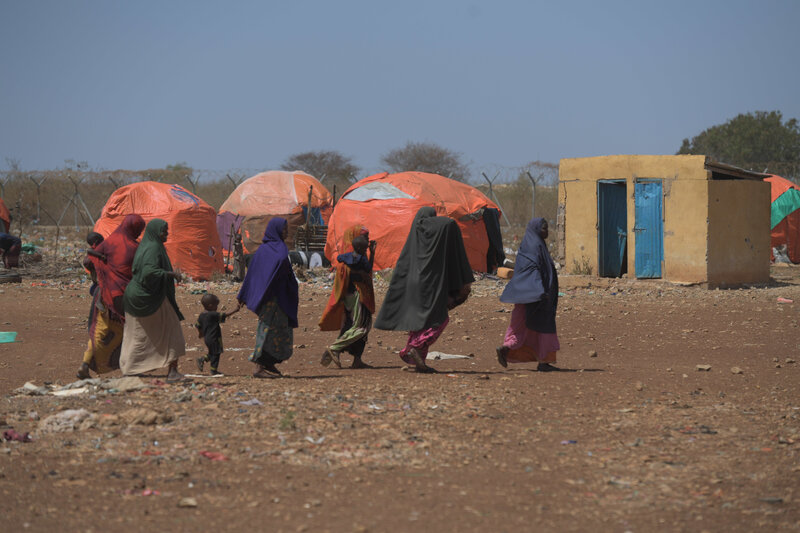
[[326, 358], [263, 374], [177, 377], [83, 372], [272, 369], [501, 355]]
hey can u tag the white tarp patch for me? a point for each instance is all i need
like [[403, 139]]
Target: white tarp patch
[[377, 191]]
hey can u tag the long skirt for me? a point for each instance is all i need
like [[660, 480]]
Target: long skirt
[[151, 342], [422, 340], [105, 337], [357, 323], [274, 337], [526, 345]]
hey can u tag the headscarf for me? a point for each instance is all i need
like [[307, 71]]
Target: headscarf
[[332, 315], [115, 273], [432, 265], [270, 274], [151, 280], [535, 281]]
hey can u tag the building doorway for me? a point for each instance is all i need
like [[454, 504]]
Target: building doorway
[[612, 228]]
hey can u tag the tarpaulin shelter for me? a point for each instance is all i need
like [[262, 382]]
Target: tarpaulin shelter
[[387, 203], [275, 193], [193, 244], [5, 217], [785, 216]]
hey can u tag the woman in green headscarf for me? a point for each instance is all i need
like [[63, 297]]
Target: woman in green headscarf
[[152, 337]]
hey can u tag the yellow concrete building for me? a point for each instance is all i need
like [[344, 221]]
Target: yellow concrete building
[[682, 218]]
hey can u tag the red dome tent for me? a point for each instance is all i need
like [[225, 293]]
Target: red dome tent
[[386, 204], [275, 193], [785, 216], [193, 244]]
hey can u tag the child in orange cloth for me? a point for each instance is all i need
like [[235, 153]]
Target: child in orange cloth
[[352, 301]]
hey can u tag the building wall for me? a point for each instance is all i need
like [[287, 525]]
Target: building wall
[[685, 209], [685, 229], [579, 198], [739, 232]]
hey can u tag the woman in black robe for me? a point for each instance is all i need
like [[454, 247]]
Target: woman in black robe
[[432, 276]]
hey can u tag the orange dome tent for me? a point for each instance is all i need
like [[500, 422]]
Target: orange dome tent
[[193, 244], [386, 204], [5, 217], [785, 216], [275, 193]]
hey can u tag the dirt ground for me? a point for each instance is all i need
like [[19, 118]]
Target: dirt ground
[[630, 436]]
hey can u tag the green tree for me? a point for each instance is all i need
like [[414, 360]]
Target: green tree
[[328, 166], [427, 157], [759, 141]]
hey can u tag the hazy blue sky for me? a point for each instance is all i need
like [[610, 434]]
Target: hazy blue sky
[[227, 85]]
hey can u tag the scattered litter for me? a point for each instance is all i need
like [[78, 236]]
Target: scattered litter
[[212, 376], [569, 442], [214, 456], [187, 502], [782, 300], [68, 420], [311, 439], [7, 336], [252, 401], [150, 492], [11, 434], [70, 392], [438, 356]]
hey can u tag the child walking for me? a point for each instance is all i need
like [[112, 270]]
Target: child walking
[[352, 302], [208, 328]]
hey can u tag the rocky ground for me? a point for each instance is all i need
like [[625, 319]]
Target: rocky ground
[[677, 409]]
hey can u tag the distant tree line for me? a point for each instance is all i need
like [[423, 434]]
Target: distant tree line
[[760, 141]]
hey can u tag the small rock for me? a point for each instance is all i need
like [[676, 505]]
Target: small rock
[[483, 376], [789, 360], [592, 353], [465, 338], [187, 502], [639, 386], [703, 368], [737, 370]]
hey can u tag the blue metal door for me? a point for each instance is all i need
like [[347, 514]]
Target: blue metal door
[[612, 217], [649, 228]]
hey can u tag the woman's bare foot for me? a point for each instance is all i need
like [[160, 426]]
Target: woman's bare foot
[[358, 363], [419, 362]]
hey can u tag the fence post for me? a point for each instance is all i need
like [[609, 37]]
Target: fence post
[[533, 192], [38, 196], [494, 196]]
